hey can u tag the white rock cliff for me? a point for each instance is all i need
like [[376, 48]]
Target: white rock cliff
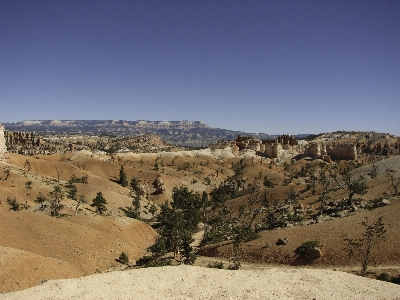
[[3, 148]]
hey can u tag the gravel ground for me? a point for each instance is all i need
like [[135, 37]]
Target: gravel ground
[[382, 166], [186, 282]]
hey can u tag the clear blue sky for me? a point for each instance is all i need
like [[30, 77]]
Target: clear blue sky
[[257, 66]]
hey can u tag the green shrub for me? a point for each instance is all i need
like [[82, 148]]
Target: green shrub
[[384, 277], [396, 280], [151, 261], [216, 265], [123, 258], [268, 182], [144, 261], [214, 236], [295, 218], [302, 249], [14, 205]]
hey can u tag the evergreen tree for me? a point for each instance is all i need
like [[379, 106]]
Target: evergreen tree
[[122, 177], [373, 234], [133, 211], [14, 205], [134, 184], [218, 197], [55, 198], [72, 193], [187, 254], [172, 227], [189, 203], [354, 186], [136, 204], [81, 199], [40, 199], [395, 183], [99, 203]]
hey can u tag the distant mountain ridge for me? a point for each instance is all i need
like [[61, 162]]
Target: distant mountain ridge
[[184, 133]]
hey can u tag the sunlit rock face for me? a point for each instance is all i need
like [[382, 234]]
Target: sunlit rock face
[[315, 149], [3, 148], [343, 151]]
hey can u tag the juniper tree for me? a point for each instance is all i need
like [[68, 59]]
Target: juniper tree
[[311, 183], [324, 181], [80, 200], [239, 166], [353, 185], [373, 234], [241, 229], [394, 182], [58, 174], [28, 187], [292, 196]]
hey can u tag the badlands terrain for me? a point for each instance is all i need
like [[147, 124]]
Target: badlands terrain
[[40, 251]]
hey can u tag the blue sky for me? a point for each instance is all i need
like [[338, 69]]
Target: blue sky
[[256, 66]]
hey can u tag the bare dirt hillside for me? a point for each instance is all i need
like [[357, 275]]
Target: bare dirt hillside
[[330, 233], [66, 247], [184, 282]]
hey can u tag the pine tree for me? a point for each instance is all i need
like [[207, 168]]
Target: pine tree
[[122, 177], [72, 193], [187, 254], [99, 203], [55, 198], [134, 184]]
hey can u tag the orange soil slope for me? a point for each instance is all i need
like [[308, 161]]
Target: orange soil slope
[[65, 247]]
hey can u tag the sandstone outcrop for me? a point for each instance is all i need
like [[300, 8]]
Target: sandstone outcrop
[[345, 151], [143, 188], [315, 149], [327, 147], [222, 145], [285, 139], [30, 143], [21, 138], [158, 184], [3, 148], [313, 253], [342, 151], [274, 148], [271, 148]]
